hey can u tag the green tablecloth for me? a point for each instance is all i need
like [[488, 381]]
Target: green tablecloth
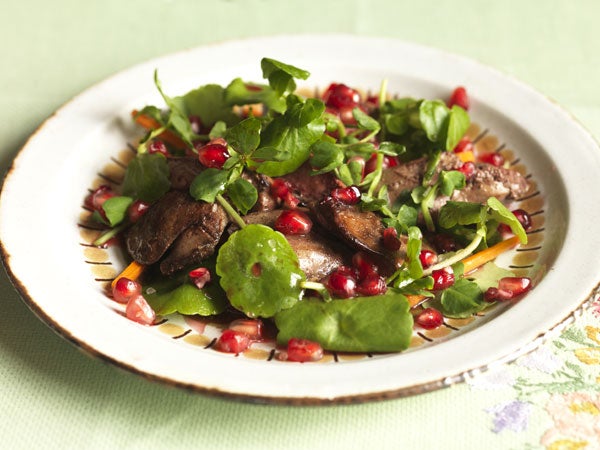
[[52, 396]]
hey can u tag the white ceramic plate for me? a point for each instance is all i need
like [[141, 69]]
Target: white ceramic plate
[[61, 279]]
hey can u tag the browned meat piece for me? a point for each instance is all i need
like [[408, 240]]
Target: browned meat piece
[[361, 230], [488, 181], [182, 172], [311, 188], [152, 235], [262, 183], [198, 241]]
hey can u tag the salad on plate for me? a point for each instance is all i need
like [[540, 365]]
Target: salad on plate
[[334, 221]]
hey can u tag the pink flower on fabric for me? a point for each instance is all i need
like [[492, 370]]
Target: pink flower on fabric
[[512, 416], [576, 419]]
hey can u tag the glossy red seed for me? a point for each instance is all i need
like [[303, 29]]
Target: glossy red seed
[[388, 161], [139, 311], [390, 239], [468, 169], [442, 278], [342, 285], [339, 96], [493, 158], [372, 285], [200, 276], [363, 265], [464, 145], [524, 219], [349, 195], [97, 198], [280, 188], [516, 285], [303, 350], [125, 289], [460, 98], [346, 115], [293, 221], [136, 210], [429, 318], [253, 328], [443, 243], [232, 341], [213, 155], [428, 258], [157, 146]]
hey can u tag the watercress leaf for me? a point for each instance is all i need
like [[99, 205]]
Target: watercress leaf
[[178, 118], [488, 276], [391, 148], [345, 175], [407, 216], [461, 213], [269, 65], [458, 123], [115, 209], [269, 154], [153, 112], [326, 156], [218, 130], [208, 103], [287, 134], [396, 123], [147, 177], [418, 194], [239, 92], [360, 148], [400, 105], [244, 137], [420, 286], [243, 195], [413, 248], [502, 214], [356, 171], [186, 299], [433, 116], [208, 184], [362, 324], [309, 112], [450, 181], [462, 299], [259, 271], [365, 121]]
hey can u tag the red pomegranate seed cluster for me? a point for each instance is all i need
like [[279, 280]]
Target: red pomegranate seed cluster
[[214, 154], [282, 190], [508, 289], [493, 158], [429, 319], [200, 276], [442, 278], [96, 199], [390, 239], [362, 278], [302, 350], [293, 222], [349, 195], [464, 145], [240, 335], [524, 219], [129, 292], [460, 98], [157, 146], [428, 258]]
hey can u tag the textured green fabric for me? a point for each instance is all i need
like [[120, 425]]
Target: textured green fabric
[[53, 396]]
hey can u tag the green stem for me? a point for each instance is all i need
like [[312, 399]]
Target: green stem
[[383, 92], [319, 287], [232, 212], [378, 171], [425, 203], [459, 255], [108, 235]]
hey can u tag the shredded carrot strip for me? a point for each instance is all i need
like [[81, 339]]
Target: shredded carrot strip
[[132, 271], [473, 262], [149, 123], [466, 156]]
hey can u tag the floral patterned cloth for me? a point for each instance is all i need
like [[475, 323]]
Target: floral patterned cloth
[[555, 390]]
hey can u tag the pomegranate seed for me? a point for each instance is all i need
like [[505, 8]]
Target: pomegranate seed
[[493, 158], [157, 146], [340, 95], [282, 190], [429, 318], [390, 239], [292, 221], [349, 195], [516, 285], [372, 285], [213, 155], [97, 198], [364, 265], [388, 161], [136, 210], [468, 169], [341, 284], [125, 289], [460, 98], [200, 276], [524, 219], [232, 341], [139, 310], [464, 145], [442, 278], [428, 258], [494, 294], [443, 243], [346, 116], [303, 350], [253, 328]]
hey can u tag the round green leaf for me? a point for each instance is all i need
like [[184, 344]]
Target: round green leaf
[[259, 271]]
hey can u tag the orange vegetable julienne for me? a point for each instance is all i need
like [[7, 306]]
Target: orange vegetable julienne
[[467, 156], [149, 123], [132, 271], [474, 261]]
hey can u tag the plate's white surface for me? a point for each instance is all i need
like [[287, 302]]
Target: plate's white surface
[[42, 196]]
